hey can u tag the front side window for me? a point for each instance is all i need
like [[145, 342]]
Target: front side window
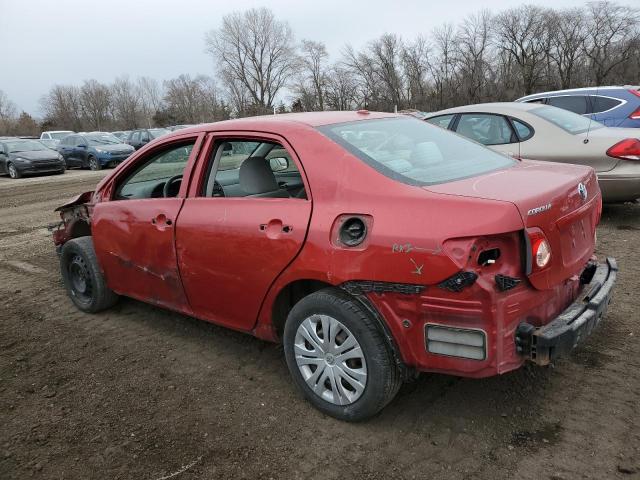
[[573, 103], [568, 121], [486, 128], [158, 132], [415, 152], [159, 176], [442, 121]]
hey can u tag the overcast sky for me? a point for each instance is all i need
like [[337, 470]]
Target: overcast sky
[[47, 42]]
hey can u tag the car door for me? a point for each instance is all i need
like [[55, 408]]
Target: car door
[[81, 151], [231, 248], [66, 150], [490, 129], [134, 232], [3, 158]]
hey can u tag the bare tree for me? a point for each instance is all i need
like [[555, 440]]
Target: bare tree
[[312, 79], [151, 95], [612, 34], [415, 59], [255, 49], [567, 36], [7, 113], [342, 89], [126, 103], [95, 101], [443, 65], [473, 42], [193, 100], [62, 107], [523, 33]]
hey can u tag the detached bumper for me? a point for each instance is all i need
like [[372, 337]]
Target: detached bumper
[[544, 344]]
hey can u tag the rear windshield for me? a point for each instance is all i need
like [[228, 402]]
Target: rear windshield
[[414, 152], [568, 121]]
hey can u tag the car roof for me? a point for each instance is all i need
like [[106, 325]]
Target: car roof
[[495, 107], [311, 119], [578, 90]]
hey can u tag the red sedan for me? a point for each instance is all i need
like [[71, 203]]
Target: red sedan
[[373, 245]]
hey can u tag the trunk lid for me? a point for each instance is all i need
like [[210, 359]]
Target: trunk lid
[[547, 196]]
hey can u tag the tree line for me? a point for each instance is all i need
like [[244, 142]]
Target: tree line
[[260, 66]]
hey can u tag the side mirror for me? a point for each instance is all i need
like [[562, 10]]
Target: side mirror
[[278, 164]]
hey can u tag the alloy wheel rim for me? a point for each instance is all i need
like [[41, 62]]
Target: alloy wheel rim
[[12, 171], [93, 163], [330, 360]]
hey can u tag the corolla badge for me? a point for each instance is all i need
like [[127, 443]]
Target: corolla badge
[[540, 209], [582, 190]]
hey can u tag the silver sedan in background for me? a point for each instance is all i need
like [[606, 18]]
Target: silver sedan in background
[[542, 132]]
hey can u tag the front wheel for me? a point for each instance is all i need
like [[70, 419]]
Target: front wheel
[[13, 171], [338, 357], [94, 164], [82, 277]]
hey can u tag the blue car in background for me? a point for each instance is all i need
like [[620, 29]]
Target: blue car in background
[[93, 150], [611, 106]]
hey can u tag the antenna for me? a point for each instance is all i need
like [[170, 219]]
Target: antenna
[[586, 140]]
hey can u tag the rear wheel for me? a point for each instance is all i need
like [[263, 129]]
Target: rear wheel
[[94, 164], [13, 171], [83, 278], [338, 356]]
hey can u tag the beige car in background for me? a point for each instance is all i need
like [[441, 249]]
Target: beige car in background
[[543, 132]]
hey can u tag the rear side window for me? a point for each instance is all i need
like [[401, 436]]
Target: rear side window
[[413, 151], [602, 104], [485, 128], [573, 103], [442, 121], [524, 131]]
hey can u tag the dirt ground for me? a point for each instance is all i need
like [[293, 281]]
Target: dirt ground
[[138, 392]]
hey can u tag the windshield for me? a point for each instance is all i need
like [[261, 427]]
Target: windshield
[[412, 151], [158, 132], [59, 135], [105, 139], [25, 146], [568, 121]]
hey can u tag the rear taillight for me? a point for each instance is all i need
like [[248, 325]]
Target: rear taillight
[[635, 92], [540, 250], [635, 115], [628, 149]]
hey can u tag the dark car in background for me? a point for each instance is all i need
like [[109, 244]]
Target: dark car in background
[[611, 106], [139, 138], [93, 150], [20, 157]]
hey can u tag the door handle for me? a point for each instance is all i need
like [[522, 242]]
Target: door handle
[[275, 228], [161, 221]]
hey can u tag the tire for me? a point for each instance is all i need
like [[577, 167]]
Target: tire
[[13, 171], [83, 278], [62, 170], [368, 378], [94, 164]]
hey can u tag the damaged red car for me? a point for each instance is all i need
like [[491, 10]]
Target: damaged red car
[[373, 246]]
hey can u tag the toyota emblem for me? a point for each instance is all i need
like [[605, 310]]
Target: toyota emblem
[[582, 190]]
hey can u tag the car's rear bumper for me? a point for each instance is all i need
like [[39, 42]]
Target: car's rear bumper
[[471, 333], [543, 345]]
